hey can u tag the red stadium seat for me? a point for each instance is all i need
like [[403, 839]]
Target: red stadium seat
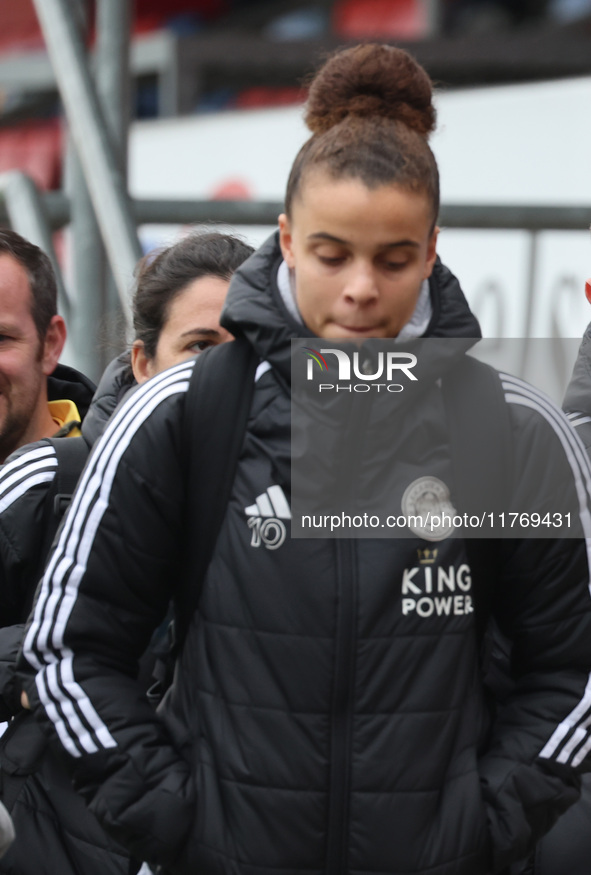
[[399, 19], [266, 96], [19, 28], [36, 148]]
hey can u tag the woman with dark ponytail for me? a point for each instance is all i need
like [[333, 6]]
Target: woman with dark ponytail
[[329, 712]]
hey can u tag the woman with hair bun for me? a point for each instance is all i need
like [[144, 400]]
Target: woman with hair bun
[[368, 175], [177, 302], [329, 713]]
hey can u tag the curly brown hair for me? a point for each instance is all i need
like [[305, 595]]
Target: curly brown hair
[[370, 111]]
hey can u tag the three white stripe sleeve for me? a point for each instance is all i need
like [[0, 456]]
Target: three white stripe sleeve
[[549, 584], [24, 481], [109, 580]]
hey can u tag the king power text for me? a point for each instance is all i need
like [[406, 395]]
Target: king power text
[[428, 591]]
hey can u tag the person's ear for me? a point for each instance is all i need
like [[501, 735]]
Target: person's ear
[[431, 253], [55, 338], [286, 240], [141, 365]]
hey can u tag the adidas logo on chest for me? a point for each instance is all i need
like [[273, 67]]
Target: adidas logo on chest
[[265, 518]]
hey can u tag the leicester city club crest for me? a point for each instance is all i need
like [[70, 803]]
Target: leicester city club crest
[[427, 506]]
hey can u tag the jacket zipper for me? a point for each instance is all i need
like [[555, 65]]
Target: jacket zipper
[[337, 854], [342, 710]]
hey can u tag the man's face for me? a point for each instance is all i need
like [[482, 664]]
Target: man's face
[[23, 363]]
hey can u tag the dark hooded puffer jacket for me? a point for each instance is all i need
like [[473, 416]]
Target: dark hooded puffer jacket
[[55, 831], [577, 399], [22, 531], [27, 523], [315, 726], [567, 847]]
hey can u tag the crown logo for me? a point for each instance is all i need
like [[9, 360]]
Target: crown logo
[[427, 556]]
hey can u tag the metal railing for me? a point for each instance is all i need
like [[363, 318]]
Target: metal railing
[[98, 205], [90, 132], [146, 211], [24, 208]]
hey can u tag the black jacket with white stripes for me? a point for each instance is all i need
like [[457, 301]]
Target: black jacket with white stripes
[[27, 521], [55, 831], [577, 399], [317, 724], [27, 525]]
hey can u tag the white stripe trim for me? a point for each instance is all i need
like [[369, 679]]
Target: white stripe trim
[[25, 458], [576, 422], [89, 487], [568, 723], [54, 691], [579, 737], [55, 718], [27, 464], [71, 556], [22, 488], [579, 462], [121, 428], [571, 443], [582, 493], [583, 751], [261, 369]]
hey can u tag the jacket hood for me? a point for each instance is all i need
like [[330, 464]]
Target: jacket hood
[[68, 383], [114, 384], [254, 308], [578, 394]]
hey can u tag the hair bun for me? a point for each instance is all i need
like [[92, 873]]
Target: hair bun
[[371, 80]]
